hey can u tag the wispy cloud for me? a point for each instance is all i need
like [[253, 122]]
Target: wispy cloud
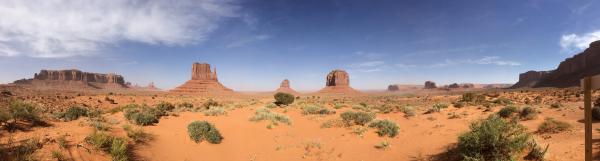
[[578, 42], [488, 60], [247, 40], [368, 66], [369, 55], [56, 28]]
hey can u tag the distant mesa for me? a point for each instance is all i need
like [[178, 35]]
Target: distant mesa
[[568, 73], [73, 79], [149, 87], [430, 85], [393, 88], [338, 82], [285, 88], [460, 86], [204, 81], [403, 87]]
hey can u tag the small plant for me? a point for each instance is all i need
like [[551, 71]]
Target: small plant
[[316, 110], [186, 106], [62, 142], [265, 114], [210, 102], [493, 139], [99, 140], [472, 97], [142, 115], [356, 118], [528, 113], [215, 111], [551, 125], [385, 128], [73, 113], [137, 134], [24, 111], [536, 153], [408, 111], [503, 101], [58, 156], [118, 149], [202, 130], [507, 111], [283, 98], [383, 145], [359, 130], [385, 108], [270, 105], [555, 105], [332, 123], [165, 107]]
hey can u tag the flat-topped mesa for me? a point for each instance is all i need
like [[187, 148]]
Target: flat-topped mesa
[[530, 78], [338, 82], [430, 85], [204, 81], [284, 87], [77, 75]]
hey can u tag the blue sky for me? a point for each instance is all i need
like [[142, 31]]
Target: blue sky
[[256, 44]]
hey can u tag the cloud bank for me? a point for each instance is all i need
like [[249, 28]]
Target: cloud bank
[[60, 28], [578, 42]]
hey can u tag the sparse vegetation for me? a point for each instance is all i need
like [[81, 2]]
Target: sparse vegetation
[[493, 139], [115, 146], [536, 153], [313, 109], [357, 118], [266, 114], [551, 125], [503, 101], [142, 115], [436, 108], [209, 103], [215, 111], [203, 130], [23, 111], [408, 111], [137, 135], [507, 111], [164, 108], [383, 145], [528, 113], [385, 128], [73, 113], [283, 98]]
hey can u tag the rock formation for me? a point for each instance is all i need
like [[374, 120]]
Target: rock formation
[[404, 87], [393, 88], [430, 85], [74, 79], [569, 72], [285, 87], [338, 82], [149, 87], [530, 78], [204, 81]]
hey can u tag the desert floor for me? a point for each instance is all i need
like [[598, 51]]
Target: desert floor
[[421, 137]]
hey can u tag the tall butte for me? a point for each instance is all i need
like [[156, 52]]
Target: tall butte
[[204, 81], [285, 87], [338, 82]]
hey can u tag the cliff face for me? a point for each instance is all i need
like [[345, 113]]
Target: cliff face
[[568, 73], [76, 75], [338, 82]]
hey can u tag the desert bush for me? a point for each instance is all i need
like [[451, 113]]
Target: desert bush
[[270, 105], [536, 153], [555, 105], [202, 130], [265, 114], [356, 118], [361, 107], [210, 102], [436, 108], [73, 113], [283, 98], [551, 125], [458, 104], [385, 108], [503, 101], [118, 149], [24, 111], [528, 113], [333, 123], [472, 97], [58, 156], [115, 146], [493, 139], [25, 150], [408, 111], [186, 105], [99, 125], [137, 135], [142, 115], [215, 111], [165, 107], [316, 110], [507, 111], [385, 128], [384, 145]]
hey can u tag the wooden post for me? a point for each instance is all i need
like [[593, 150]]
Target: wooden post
[[587, 101]]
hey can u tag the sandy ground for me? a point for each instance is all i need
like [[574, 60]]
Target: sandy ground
[[420, 137]]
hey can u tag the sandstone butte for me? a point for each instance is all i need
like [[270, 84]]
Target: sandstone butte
[[73, 79], [204, 81], [284, 87], [338, 82], [568, 73]]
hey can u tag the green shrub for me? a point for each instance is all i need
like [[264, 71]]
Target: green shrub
[[165, 107], [24, 111], [385, 108], [270, 105], [356, 118], [316, 110], [493, 139], [551, 125], [100, 140], [536, 153], [385, 128], [436, 108], [73, 113], [210, 102], [283, 98], [528, 113], [507, 111], [503, 101], [202, 130], [115, 146], [118, 149], [186, 105], [472, 97], [555, 105], [265, 114], [137, 134], [408, 111], [215, 111], [142, 116]]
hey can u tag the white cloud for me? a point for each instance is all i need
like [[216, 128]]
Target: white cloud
[[241, 41], [488, 60], [575, 42], [495, 60], [368, 66], [59, 28]]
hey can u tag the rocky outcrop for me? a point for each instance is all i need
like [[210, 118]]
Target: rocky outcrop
[[338, 82], [149, 87], [530, 78], [393, 88], [430, 85], [568, 73], [285, 87], [73, 79], [204, 81]]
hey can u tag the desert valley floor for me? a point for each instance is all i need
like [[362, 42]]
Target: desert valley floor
[[303, 135]]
